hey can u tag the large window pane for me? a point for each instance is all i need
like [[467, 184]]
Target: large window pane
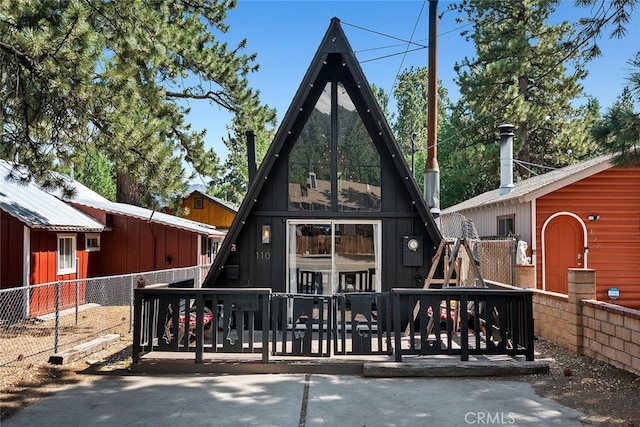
[[326, 257], [355, 258], [310, 258], [358, 161], [310, 160]]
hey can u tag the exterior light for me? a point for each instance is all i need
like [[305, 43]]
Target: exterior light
[[593, 217], [266, 234]]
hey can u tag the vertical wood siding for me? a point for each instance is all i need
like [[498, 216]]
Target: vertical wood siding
[[614, 239], [134, 245], [11, 251]]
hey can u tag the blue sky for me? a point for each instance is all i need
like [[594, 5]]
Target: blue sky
[[286, 35]]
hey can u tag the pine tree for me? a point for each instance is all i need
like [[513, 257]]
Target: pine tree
[[412, 95], [619, 131], [118, 75], [527, 73], [235, 182], [95, 171]]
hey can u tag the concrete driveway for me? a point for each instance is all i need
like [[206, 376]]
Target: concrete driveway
[[295, 400]]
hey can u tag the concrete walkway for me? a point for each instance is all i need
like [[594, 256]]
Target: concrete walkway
[[293, 400]]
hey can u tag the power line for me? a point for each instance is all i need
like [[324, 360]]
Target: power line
[[582, 38], [383, 34], [395, 79], [389, 56]]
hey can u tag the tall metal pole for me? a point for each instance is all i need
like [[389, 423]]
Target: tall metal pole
[[431, 168]]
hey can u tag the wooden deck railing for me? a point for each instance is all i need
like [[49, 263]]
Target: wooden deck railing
[[454, 321], [212, 320], [463, 321]]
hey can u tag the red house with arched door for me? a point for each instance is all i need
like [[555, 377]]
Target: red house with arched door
[[586, 215]]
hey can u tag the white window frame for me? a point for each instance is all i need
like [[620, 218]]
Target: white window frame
[[87, 238], [62, 267], [333, 276]]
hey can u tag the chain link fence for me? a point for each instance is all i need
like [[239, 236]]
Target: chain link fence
[[41, 320], [498, 258], [495, 255]]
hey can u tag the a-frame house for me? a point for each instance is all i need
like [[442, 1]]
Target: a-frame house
[[334, 206]]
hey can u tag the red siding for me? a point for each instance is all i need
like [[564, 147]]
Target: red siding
[[11, 251], [614, 239], [134, 245]]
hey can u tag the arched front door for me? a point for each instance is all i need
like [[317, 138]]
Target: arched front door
[[564, 249]]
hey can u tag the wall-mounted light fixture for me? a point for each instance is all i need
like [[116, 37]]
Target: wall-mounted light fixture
[[169, 259], [266, 234], [593, 217]]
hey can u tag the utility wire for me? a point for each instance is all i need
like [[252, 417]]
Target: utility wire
[[404, 56], [582, 38], [383, 34]]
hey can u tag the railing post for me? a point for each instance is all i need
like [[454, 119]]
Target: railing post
[[396, 326], [266, 303], [464, 327], [199, 325], [528, 324], [77, 300], [137, 325], [131, 304], [57, 327]]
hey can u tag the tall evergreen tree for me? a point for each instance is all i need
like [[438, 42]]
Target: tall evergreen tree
[[233, 185], [525, 72], [619, 131], [94, 170], [118, 74], [412, 95]]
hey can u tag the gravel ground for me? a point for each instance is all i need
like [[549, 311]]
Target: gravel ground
[[607, 395]]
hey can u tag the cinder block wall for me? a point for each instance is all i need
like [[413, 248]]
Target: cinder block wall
[[597, 329], [612, 333], [550, 316]]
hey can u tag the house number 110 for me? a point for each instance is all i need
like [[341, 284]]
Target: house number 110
[[263, 255]]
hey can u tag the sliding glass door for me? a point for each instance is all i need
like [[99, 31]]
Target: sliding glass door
[[331, 256]]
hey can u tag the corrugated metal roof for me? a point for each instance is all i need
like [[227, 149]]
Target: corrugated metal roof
[[87, 197], [38, 209], [536, 186]]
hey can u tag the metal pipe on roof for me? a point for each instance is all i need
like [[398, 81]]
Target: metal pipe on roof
[[431, 168], [506, 158], [251, 154]]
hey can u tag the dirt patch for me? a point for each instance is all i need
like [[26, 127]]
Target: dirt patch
[[606, 395]]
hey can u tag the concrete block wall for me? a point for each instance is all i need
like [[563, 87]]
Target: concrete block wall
[[550, 315], [612, 333], [597, 329]]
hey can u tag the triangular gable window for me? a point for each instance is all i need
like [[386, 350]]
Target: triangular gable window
[[334, 165]]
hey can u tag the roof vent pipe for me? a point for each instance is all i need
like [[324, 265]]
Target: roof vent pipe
[[251, 154], [506, 158]]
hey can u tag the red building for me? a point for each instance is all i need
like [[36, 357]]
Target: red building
[[45, 240], [585, 215], [139, 239]]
